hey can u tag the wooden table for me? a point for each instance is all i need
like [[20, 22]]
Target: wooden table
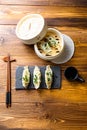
[[62, 109]]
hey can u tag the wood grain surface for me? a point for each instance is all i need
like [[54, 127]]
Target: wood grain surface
[[64, 109]]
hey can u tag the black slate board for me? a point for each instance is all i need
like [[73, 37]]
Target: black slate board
[[56, 77]]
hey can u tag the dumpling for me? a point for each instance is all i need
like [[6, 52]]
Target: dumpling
[[26, 77], [36, 77], [53, 42], [48, 76], [45, 47]]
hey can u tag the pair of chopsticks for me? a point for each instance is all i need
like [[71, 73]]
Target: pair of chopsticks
[[8, 88]]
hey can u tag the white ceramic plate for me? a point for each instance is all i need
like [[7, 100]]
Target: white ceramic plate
[[68, 52]]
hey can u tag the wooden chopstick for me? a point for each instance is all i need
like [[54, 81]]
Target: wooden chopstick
[[8, 88], [8, 91]]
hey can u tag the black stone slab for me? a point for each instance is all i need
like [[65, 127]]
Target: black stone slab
[[56, 77]]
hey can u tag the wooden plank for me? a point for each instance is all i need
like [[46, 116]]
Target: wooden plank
[[18, 49], [25, 2], [25, 51], [57, 16], [6, 41], [69, 92], [7, 33], [48, 115], [69, 2], [46, 2]]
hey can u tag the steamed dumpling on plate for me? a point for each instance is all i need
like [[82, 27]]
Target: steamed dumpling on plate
[[26, 77], [36, 77], [48, 76]]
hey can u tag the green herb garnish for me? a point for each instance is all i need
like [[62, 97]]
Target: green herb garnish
[[25, 78], [35, 80], [48, 79]]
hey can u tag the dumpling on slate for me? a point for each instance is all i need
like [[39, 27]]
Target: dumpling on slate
[[48, 76], [25, 77], [36, 77]]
